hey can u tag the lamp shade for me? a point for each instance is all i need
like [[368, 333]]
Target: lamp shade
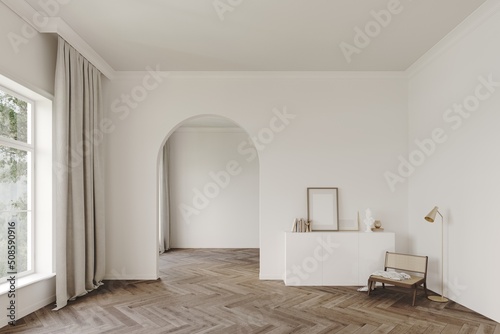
[[432, 215]]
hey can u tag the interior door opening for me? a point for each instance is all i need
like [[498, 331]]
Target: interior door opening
[[209, 187]]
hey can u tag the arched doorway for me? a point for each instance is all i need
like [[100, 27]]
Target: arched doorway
[[208, 186]]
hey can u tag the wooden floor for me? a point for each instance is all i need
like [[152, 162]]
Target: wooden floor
[[218, 291]]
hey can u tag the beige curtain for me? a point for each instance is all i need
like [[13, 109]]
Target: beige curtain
[[164, 234], [79, 185]]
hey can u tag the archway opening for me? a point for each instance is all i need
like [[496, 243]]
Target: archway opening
[[208, 186]]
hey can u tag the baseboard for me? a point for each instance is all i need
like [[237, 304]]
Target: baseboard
[[130, 278], [30, 309], [263, 277]]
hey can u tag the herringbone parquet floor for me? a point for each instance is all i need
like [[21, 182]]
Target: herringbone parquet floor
[[218, 291]]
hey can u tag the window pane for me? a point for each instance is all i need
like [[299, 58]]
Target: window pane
[[13, 179], [20, 239], [14, 114], [15, 188]]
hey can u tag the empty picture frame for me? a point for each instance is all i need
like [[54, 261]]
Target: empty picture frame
[[322, 208]]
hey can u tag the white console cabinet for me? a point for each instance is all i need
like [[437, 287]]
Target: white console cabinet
[[335, 258]]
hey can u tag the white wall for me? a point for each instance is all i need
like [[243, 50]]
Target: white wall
[[33, 67], [462, 176], [347, 130], [31, 58], [214, 190]]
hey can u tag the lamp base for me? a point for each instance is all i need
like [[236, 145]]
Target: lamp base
[[438, 299]]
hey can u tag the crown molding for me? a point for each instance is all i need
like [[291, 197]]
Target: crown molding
[[269, 74], [23, 10], [58, 26], [471, 23]]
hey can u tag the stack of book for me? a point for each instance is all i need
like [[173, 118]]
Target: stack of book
[[301, 225]]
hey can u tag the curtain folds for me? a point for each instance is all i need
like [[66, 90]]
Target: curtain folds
[[164, 231], [79, 211]]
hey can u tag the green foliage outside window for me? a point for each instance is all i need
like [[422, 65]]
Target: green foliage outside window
[[14, 186]]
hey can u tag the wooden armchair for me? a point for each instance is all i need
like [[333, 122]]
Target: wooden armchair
[[414, 265]]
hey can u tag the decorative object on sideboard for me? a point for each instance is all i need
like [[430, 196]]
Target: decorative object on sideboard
[[377, 226], [368, 221], [323, 208], [430, 218], [301, 225]]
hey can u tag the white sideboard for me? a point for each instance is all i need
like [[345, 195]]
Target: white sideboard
[[335, 258]]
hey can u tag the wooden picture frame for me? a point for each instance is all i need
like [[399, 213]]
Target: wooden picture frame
[[323, 208]]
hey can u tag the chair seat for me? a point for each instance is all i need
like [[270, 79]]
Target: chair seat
[[414, 280]]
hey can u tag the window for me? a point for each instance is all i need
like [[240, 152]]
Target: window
[[16, 182]]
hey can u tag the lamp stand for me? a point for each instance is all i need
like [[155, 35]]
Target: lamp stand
[[442, 298], [439, 299]]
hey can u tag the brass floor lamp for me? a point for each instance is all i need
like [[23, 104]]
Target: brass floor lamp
[[430, 218]]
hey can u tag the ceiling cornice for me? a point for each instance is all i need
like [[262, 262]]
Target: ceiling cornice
[[269, 74], [56, 25], [473, 21]]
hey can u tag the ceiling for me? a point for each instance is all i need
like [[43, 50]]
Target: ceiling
[[260, 35]]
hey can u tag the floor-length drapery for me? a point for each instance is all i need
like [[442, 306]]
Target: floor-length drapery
[[164, 230], [79, 209]]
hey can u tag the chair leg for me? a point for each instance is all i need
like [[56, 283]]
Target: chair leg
[[414, 295], [369, 286], [425, 289], [383, 285]]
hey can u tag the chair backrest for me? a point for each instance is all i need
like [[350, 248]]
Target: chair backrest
[[414, 263]]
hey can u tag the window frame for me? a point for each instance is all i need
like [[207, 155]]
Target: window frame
[[29, 146]]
